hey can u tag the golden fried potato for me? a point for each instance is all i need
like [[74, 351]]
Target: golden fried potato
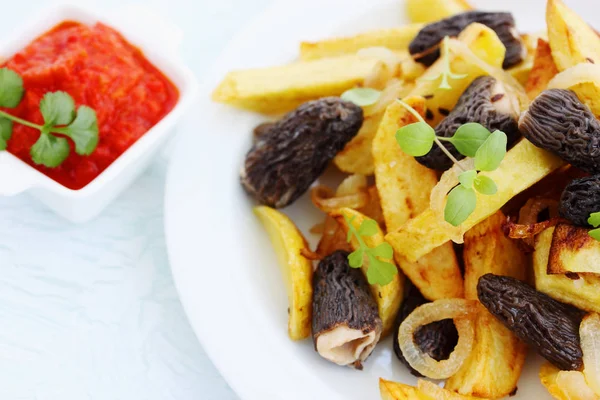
[[544, 69], [493, 369], [425, 391], [404, 186], [357, 157], [565, 385], [477, 52], [280, 89], [523, 166], [521, 71], [297, 271], [433, 10], [580, 290], [388, 297], [395, 39], [584, 80], [573, 250], [572, 40]]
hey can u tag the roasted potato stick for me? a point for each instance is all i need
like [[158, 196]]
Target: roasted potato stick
[[388, 297], [565, 385], [523, 166], [297, 271], [493, 369], [572, 40], [573, 250], [433, 10], [396, 39], [544, 69], [404, 186], [280, 89], [580, 290], [584, 80], [426, 391], [521, 71], [475, 53], [357, 157]]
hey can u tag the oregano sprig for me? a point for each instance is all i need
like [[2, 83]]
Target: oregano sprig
[[471, 140], [379, 272], [446, 73], [61, 120]]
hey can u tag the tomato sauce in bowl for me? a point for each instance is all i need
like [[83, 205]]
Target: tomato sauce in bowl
[[100, 69]]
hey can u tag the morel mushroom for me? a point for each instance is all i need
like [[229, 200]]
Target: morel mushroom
[[290, 155], [485, 101], [547, 325], [425, 45], [559, 122], [580, 198], [437, 339], [346, 323]]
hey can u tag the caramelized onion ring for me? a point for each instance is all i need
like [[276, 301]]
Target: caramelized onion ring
[[529, 231], [323, 198], [462, 312], [589, 332]]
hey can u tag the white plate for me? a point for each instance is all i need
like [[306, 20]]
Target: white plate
[[222, 261]]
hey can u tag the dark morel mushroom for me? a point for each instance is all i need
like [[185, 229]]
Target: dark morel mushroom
[[437, 339], [547, 325], [346, 324], [559, 122], [292, 153], [424, 45], [486, 102], [580, 198]]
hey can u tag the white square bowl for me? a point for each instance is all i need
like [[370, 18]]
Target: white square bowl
[[159, 41]]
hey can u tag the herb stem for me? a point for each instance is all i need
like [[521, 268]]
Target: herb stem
[[359, 239], [447, 152], [21, 121], [412, 111]]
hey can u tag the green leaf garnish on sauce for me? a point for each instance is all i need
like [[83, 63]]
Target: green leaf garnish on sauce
[[11, 88]]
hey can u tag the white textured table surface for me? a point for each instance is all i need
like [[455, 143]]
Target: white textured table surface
[[90, 311]]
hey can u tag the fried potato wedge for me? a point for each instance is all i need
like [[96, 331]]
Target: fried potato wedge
[[396, 39], [297, 271], [521, 71], [476, 52], [388, 297], [544, 69], [357, 157], [280, 89], [425, 391], [584, 80], [573, 250], [494, 367], [565, 385], [523, 166], [404, 186], [433, 10], [580, 290], [572, 40]]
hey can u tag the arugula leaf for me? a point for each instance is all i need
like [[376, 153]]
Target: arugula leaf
[[595, 233], [467, 178], [380, 272], [84, 131], [594, 219], [469, 138], [368, 228], [485, 185], [384, 250], [6, 126], [416, 139], [460, 204], [11, 88], [50, 150], [491, 153], [58, 108], [362, 97], [356, 258]]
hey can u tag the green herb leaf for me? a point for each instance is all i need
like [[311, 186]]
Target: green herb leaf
[[467, 178], [362, 96], [380, 272], [469, 138], [356, 258], [58, 108], [460, 204], [6, 126], [492, 152], [384, 250], [50, 150], [83, 130], [594, 219], [416, 139], [11, 88], [595, 233], [485, 185], [447, 71], [369, 227]]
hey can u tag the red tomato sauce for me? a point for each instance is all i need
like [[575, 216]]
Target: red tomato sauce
[[100, 69]]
